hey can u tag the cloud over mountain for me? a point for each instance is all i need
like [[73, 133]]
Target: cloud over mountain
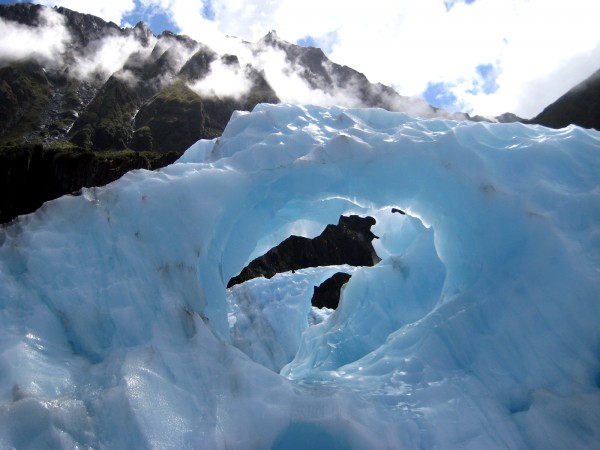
[[46, 41], [433, 48], [85, 82], [112, 10]]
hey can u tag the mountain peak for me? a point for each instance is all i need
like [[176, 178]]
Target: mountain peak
[[270, 38], [579, 106]]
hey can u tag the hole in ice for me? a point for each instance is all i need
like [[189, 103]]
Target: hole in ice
[[348, 242], [273, 322], [327, 294], [276, 288]]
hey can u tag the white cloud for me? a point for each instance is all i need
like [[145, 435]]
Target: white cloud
[[291, 87], [411, 43], [187, 16], [538, 48], [108, 55], [45, 42], [223, 81], [111, 10]]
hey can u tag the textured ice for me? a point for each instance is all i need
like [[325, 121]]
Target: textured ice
[[478, 329]]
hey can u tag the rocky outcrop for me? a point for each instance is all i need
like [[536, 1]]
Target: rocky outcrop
[[24, 92], [580, 106], [327, 294], [31, 175], [22, 13], [106, 122], [348, 242], [509, 117]]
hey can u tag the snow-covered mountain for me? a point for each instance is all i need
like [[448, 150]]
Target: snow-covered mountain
[[477, 329]]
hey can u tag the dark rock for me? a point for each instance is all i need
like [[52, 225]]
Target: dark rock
[[85, 28], [260, 90], [230, 60], [143, 33], [580, 106], [22, 13], [198, 66], [106, 123], [399, 211], [173, 119], [348, 242], [508, 117], [31, 174], [327, 294], [24, 91]]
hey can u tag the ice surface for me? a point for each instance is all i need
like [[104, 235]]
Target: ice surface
[[478, 329]]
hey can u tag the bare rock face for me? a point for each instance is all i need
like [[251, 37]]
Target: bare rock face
[[327, 294], [348, 242], [580, 106], [31, 175]]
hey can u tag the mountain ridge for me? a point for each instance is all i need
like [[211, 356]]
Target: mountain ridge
[[160, 97], [99, 114], [104, 88], [578, 106]]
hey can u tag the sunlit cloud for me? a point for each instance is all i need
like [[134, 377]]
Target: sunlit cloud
[[531, 51], [223, 80], [107, 56], [411, 44], [45, 42], [110, 10]]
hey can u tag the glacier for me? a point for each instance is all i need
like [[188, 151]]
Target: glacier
[[478, 329]]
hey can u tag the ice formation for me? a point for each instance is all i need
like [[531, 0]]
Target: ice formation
[[478, 329]]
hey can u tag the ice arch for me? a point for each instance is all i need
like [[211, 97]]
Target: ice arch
[[307, 172], [115, 328], [499, 227]]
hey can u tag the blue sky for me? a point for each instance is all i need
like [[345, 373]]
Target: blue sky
[[158, 22], [480, 56]]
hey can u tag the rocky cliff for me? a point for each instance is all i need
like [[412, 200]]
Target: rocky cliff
[[101, 88], [31, 174], [579, 106], [105, 89], [348, 242]]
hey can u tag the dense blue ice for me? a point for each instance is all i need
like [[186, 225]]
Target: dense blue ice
[[478, 329]]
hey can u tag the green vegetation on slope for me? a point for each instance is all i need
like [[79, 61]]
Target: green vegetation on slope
[[173, 119], [106, 123], [24, 90]]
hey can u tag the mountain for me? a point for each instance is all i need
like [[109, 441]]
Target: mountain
[[103, 89], [143, 104], [348, 242], [91, 100], [580, 106], [151, 100], [477, 329], [345, 85]]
